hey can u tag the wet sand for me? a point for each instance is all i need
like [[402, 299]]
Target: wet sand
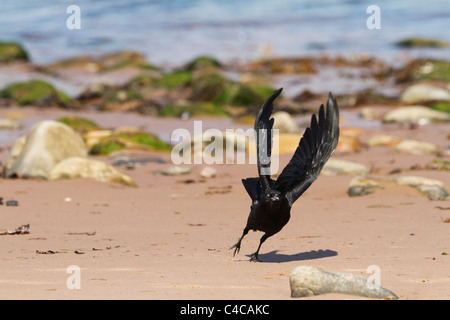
[[168, 239]]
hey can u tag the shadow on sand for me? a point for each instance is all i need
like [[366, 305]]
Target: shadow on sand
[[276, 257]]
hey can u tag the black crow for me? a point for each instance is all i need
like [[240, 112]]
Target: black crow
[[272, 200]]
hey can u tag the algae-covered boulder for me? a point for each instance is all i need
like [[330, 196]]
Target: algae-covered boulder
[[35, 92], [173, 80], [108, 62], [202, 62], [10, 51], [421, 42], [424, 69], [208, 87], [117, 60]]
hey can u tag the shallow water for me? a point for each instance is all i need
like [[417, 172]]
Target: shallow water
[[172, 32]]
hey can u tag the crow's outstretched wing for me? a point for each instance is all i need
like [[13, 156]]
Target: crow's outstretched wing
[[263, 134], [315, 148]]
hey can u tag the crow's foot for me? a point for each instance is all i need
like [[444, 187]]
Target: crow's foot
[[254, 257], [236, 247]]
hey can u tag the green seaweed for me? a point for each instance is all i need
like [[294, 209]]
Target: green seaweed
[[79, 124], [129, 140], [175, 79], [441, 106]]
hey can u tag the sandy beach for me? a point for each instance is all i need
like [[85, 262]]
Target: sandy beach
[[169, 237], [93, 206]]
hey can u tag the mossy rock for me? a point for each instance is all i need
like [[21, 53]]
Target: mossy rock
[[118, 60], [237, 94], [202, 62], [85, 63], [35, 92], [424, 69], [214, 87], [10, 51], [201, 108], [79, 124], [141, 81], [175, 79], [286, 65], [209, 87], [421, 42], [129, 140], [439, 164]]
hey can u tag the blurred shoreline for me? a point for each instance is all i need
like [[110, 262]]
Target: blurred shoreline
[[170, 33]]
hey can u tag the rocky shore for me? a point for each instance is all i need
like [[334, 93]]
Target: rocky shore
[[85, 154]]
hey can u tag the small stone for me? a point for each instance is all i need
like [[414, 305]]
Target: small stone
[[360, 186], [415, 181], [343, 167], [208, 172], [433, 189], [284, 123], [308, 281], [12, 203], [416, 147], [176, 170], [369, 113], [415, 115], [383, 140], [434, 192]]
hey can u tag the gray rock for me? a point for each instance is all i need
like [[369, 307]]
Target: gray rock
[[423, 92], [434, 192], [415, 115], [47, 144], [360, 186], [433, 189], [308, 281], [343, 167], [85, 168]]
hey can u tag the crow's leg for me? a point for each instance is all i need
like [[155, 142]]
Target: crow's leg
[[237, 246], [254, 256]]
